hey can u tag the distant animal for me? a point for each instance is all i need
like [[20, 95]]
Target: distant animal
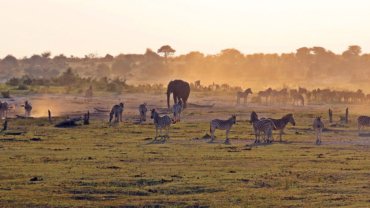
[[282, 122], [176, 109], [243, 95], [4, 108], [298, 99], [330, 115], [27, 108], [318, 126], [363, 121], [180, 90], [142, 111], [116, 112], [222, 125], [262, 125], [161, 122]]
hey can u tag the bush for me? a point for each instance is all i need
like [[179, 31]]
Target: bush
[[5, 94], [13, 82], [22, 87]]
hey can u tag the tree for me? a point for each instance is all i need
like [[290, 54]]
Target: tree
[[10, 61], [108, 57], [68, 77], [352, 51], [166, 50], [46, 54]]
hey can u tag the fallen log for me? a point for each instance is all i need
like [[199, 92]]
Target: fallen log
[[22, 117], [69, 122]]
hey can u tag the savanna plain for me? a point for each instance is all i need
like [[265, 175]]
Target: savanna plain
[[103, 165]]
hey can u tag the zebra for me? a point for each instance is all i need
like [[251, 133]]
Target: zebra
[[282, 122], [27, 108], [243, 95], [363, 121], [142, 111], [160, 123], [116, 111], [177, 108], [318, 126], [222, 125], [4, 107], [263, 125]]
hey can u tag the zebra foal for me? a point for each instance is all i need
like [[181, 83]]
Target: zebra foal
[[264, 125], [222, 125]]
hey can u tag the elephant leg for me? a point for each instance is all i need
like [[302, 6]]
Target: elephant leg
[[175, 98]]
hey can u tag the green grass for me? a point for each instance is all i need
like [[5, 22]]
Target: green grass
[[99, 165]]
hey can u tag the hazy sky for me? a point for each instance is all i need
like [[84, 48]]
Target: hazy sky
[[80, 27]]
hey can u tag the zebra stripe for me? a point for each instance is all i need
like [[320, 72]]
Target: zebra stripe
[[160, 123], [222, 125]]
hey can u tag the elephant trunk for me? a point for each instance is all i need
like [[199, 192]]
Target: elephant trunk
[[168, 99]]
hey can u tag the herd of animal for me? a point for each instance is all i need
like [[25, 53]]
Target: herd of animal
[[262, 127], [301, 96]]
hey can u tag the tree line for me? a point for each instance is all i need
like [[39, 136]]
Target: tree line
[[307, 66]]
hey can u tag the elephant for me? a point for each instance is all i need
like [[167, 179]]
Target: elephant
[[180, 90]]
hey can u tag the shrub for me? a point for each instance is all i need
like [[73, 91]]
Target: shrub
[[22, 87], [5, 94]]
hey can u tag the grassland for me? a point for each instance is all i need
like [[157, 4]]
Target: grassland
[[120, 166]]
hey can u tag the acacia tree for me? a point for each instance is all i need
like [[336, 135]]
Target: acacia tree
[[166, 50]]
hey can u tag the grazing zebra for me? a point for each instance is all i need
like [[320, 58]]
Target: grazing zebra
[[222, 125], [142, 111], [160, 123], [282, 122], [243, 95], [116, 111], [177, 108], [363, 121], [27, 108], [263, 125], [318, 126], [4, 107]]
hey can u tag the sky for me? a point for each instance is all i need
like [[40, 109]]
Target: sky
[[80, 27]]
